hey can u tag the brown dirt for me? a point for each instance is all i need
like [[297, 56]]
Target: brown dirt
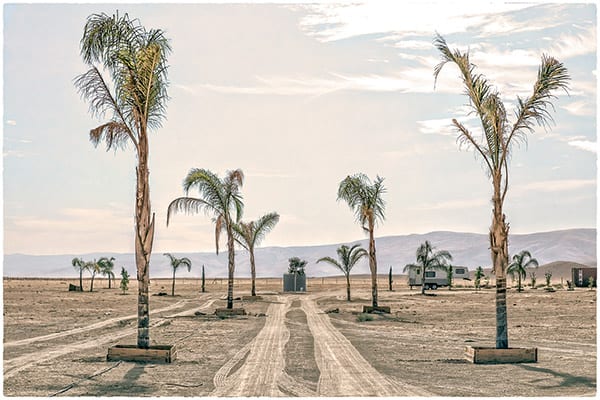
[[57, 340]]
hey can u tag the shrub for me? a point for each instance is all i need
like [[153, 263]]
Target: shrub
[[124, 280]]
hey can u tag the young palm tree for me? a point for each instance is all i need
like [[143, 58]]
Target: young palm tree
[[519, 266], [428, 260], [219, 197], [347, 259], [176, 263], [296, 266], [365, 199], [478, 275], [93, 267], [106, 268], [135, 60], [496, 144], [79, 265], [250, 234]]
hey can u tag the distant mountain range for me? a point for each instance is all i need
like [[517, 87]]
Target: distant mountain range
[[467, 249]]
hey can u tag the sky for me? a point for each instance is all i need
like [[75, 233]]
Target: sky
[[298, 96]]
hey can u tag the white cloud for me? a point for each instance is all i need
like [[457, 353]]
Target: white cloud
[[453, 204], [13, 153], [551, 186], [331, 22], [580, 108], [585, 145], [11, 122], [442, 126]]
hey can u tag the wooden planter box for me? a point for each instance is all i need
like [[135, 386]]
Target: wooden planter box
[[381, 309], [491, 355], [154, 354], [230, 311]]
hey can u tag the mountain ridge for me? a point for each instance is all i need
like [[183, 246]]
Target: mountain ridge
[[468, 249]]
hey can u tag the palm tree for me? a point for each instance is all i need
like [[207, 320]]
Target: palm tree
[[176, 263], [250, 234], [428, 260], [496, 144], [79, 264], [519, 266], [93, 267], [365, 199], [348, 257], [135, 60], [296, 266], [106, 268], [218, 197]]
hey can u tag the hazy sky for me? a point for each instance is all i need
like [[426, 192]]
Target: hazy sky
[[298, 97]]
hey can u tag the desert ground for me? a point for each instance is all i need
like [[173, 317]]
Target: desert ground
[[289, 344]]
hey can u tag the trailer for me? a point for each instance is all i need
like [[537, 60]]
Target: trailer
[[436, 278], [581, 276]]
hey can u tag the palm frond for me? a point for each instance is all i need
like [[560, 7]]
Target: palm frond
[[264, 225], [333, 262], [189, 205], [219, 223]]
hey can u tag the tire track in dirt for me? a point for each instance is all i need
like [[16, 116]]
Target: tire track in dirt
[[263, 367], [344, 372], [87, 328], [17, 364]]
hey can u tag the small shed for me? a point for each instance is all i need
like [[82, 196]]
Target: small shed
[[294, 283], [582, 275]]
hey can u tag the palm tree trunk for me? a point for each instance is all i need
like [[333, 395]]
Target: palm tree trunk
[[253, 272], [92, 283], [499, 249], [143, 240], [231, 266], [81, 279], [423, 281], [203, 279], [348, 286], [372, 261], [173, 284]]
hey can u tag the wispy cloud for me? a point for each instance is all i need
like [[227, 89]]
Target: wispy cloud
[[580, 108], [452, 205], [586, 145], [552, 186], [11, 122]]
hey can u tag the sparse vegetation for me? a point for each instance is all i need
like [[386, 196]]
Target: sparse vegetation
[[519, 266], [93, 267], [533, 279], [495, 146], [591, 283], [296, 266], [365, 199], [428, 260], [124, 280], [364, 317], [478, 275], [347, 259], [250, 234], [135, 60], [219, 197], [176, 263], [80, 266], [106, 268], [548, 276]]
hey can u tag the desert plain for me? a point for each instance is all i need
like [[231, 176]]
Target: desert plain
[[292, 344]]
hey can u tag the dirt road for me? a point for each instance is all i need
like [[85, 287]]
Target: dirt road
[[15, 365], [343, 369]]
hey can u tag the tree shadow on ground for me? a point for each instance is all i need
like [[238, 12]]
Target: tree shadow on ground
[[127, 386], [567, 379]]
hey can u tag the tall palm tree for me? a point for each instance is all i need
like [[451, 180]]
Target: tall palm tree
[[428, 260], [135, 60], [496, 144], [347, 259], [519, 266], [79, 265], [219, 197], [250, 234], [365, 199], [176, 263], [93, 267], [106, 268]]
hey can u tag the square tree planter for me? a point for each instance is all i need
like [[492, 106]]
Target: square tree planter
[[229, 311], [379, 309], [130, 352], [492, 355]]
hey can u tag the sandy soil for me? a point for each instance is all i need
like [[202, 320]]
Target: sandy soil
[[55, 342]]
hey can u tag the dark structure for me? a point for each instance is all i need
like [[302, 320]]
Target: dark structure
[[581, 276], [294, 283]]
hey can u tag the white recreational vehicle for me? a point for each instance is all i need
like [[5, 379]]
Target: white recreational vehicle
[[436, 278]]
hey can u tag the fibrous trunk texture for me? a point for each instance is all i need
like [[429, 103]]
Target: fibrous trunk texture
[[372, 262], [231, 266], [499, 249], [253, 272]]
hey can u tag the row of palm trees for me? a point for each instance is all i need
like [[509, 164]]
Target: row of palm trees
[[135, 60], [103, 266]]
